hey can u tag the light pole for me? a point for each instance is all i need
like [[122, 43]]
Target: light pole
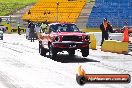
[[46, 13], [10, 19], [57, 3]]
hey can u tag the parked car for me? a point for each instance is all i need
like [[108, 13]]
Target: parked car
[[1, 34], [63, 37], [122, 30]]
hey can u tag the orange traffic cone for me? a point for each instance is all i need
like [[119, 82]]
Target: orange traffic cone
[[126, 35]]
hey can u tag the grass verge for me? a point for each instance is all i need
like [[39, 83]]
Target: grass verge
[[9, 6]]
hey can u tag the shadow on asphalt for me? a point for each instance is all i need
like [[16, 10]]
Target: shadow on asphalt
[[72, 59]]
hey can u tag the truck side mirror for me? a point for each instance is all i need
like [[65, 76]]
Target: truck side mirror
[[46, 32]]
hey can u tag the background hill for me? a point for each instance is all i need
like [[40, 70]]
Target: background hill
[[9, 6]]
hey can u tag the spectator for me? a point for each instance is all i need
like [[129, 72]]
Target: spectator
[[7, 21], [18, 26], [37, 29], [0, 20], [29, 12], [44, 26], [31, 27], [105, 28]]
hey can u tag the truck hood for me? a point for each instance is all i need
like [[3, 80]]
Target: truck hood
[[68, 34]]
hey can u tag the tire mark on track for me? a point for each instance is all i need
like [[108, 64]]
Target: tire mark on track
[[4, 78], [101, 64], [11, 49], [106, 64], [21, 49], [7, 81], [21, 45], [63, 73], [15, 60], [114, 68]]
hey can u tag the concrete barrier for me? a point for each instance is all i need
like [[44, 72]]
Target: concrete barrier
[[121, 47], [92, 40], [115, 46], [108, 46], [112, 36]]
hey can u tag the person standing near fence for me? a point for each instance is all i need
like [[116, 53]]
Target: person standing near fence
[[0, 20], [7, 21], [18, 26], [44, 26], [105, 27], [37, 29], [32, 31]]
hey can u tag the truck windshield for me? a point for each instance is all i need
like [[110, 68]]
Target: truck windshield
[[64, 28]]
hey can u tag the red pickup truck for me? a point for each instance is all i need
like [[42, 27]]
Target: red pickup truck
[[63, 37]]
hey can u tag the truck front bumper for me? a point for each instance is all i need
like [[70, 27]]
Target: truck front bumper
[[70, 45]]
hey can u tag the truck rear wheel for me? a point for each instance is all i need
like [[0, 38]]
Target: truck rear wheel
[[42, 51]]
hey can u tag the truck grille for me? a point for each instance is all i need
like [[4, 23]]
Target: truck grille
[[72, 38]]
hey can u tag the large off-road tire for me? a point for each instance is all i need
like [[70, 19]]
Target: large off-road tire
[[52, 52], [81, 80], [71, 52], [42, 50], [85, 52]]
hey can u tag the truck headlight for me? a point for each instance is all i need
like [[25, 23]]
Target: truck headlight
[[87, 37], [57, 38]]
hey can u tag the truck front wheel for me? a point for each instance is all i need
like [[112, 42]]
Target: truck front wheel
[[71, 52], [85, 52]]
